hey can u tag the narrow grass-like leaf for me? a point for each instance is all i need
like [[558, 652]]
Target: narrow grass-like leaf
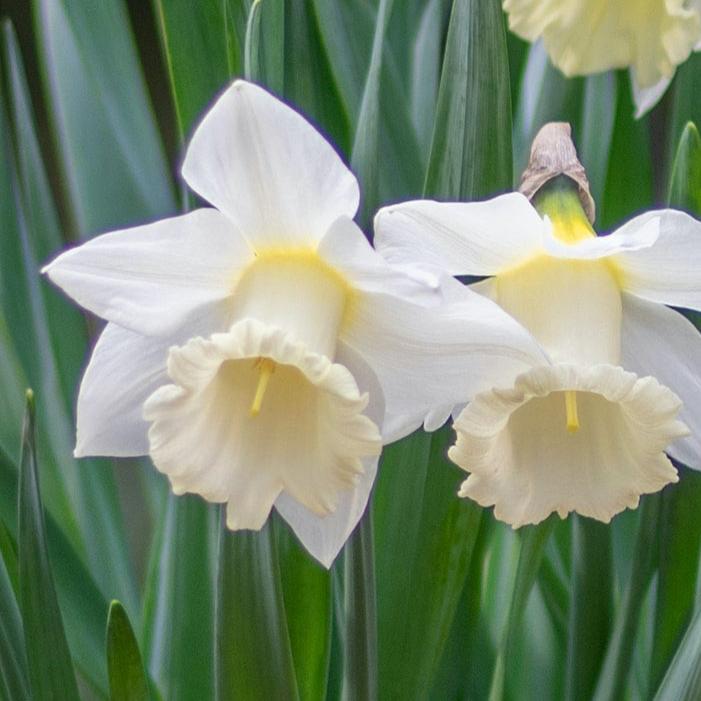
[[307, 593], [365, 152], [264, 55], [685, 182], [683, 679], [598, 118], [253, 656], [124, 666], [49, 337], [471, 147], [200, 60], [179, 596], [686, 100], [110, 150], [13, 665], [48, 659], [616, 667], [590, 606], [533, 542]]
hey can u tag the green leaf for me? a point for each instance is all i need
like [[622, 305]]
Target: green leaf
[[179, 596], [683, 679], [49, 662], [78, 594], [252, 649], [474, 107], [685, 183], [533, 542], [307, 594], [124, 665], [686, 100], [591, 606], [49, 337], [110, 151], [199, 56], [13, 663], [365, 152], [614, 673], [425, 537], [264, 57]]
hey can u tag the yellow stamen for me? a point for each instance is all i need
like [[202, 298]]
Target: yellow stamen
[[571, 408], [266, 368]]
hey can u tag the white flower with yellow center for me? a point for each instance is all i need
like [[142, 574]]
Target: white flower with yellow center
[[651, 37], [257, 350], [582, 433]]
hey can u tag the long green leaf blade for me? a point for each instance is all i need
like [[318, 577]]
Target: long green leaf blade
[[124, 665], [48, 659]]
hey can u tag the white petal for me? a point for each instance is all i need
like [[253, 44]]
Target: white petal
[[638, 233], [670, 270], [149, 278], [659, 341], [462, 238], [646, 98], [324, 536], [268, 169], [125, 368], [526, 463], [309, 438], [346, 249], [429, 357]]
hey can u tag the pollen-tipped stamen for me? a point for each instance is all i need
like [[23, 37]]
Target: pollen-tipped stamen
[[266, 368], [571, 409]]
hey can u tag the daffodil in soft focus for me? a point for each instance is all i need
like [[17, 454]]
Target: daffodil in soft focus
[[651, 37], [586, 432], [257, 350]]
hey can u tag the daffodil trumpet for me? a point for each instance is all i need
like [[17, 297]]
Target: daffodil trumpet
[[260, 351], [591, 429]]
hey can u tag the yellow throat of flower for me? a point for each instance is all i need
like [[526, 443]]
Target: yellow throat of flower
[[571, 411], [266, 368]]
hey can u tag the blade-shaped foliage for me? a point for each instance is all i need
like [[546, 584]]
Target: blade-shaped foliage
[[124, 666]]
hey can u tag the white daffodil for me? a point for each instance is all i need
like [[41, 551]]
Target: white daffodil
[[581, 433], [254, 350], [651, 37]]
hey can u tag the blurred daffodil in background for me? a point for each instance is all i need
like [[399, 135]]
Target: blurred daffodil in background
[[651, 37], [582, 433]]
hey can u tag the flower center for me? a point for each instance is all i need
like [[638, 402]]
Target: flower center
[[295, 290], [266, 368], [571, 410]]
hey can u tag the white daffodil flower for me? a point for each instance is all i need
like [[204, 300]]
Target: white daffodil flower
[[581, 434], [651, 37], [256, 350]]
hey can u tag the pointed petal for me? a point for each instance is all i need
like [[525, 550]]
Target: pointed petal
[[473, 238], [525, 462], [149, 278], [429, 357], [670, 270], [346, 249], [660, 342], [641, 232], [324, 536], [268, 169], [646, 98], [124, 370]]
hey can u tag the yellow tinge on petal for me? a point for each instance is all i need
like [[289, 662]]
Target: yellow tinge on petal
[[589, 36]]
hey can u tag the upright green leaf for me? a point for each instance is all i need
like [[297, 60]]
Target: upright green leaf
[[590, 606], [110, 150], [179, 601], [471, 148], [686, 100], [49, 337], [124, 665], [683, 679], [48, 659], [13, 664], [685, 182], [533, 542], [253, 656], [264, 55]]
